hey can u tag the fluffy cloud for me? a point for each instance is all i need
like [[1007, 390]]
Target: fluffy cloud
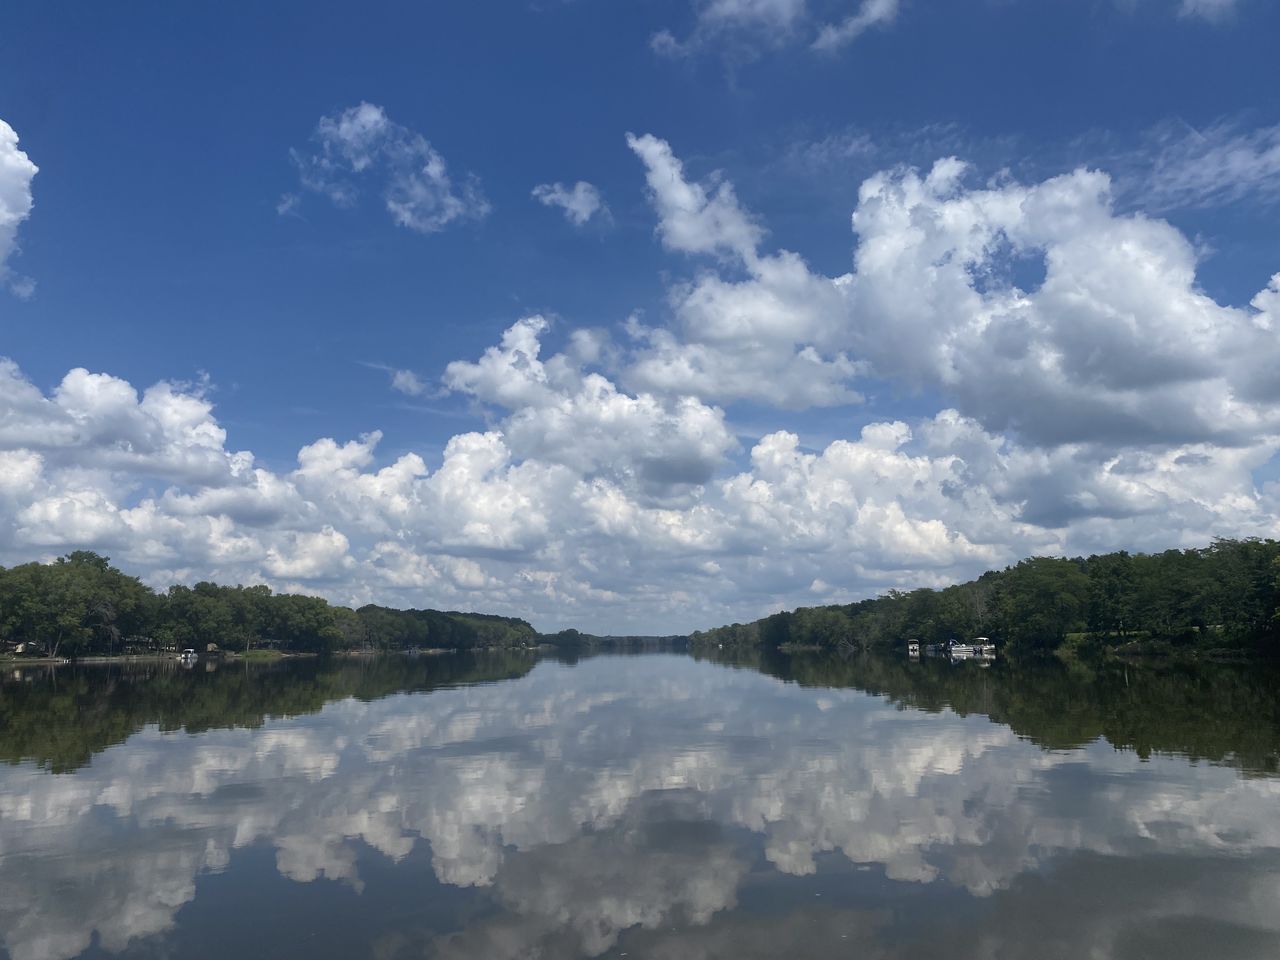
[[691, 217], [768, 337], [1112, 342], [363, 144], [16, 173], [1116, 344], [96, 422], [580, 202], [407, 382], [563, 415]]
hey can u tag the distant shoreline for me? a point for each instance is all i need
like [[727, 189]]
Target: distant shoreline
[[251, 656], [257, 656]]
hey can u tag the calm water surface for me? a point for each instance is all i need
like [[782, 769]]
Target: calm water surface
[[653, 806]]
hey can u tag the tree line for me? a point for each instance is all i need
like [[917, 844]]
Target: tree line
[[80, 605], [1224, 597]]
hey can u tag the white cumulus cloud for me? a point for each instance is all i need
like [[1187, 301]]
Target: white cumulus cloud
[[561, 414], [580, 202], [16, 173], [407, 382], [771, 337], [362, 145], [1115, 344], [1034, 308]]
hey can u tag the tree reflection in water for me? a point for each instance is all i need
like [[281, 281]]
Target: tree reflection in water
[[657, 805]]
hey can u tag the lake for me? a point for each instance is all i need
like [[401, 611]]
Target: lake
[[654, 806]]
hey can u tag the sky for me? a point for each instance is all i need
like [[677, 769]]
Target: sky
[[635, 315]]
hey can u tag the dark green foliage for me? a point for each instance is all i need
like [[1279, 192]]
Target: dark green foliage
[[574, 643], [81, 605], [388, 629], [77, 604], [1225, 597]]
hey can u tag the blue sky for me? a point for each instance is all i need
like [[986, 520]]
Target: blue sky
[[206, 216]]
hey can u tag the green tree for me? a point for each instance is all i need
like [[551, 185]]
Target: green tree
[[303, 623], [1111, 593]]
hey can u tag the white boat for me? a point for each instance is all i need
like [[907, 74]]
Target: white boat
[[188, 656]]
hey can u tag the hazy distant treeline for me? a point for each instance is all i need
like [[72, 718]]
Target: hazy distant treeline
[[81, 605], [1226, 595]]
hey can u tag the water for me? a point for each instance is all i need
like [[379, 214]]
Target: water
[[653, 806]]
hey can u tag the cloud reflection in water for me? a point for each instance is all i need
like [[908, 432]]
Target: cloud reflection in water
[[644, 799]]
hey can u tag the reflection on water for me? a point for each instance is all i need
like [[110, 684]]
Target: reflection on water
[[655, 806]]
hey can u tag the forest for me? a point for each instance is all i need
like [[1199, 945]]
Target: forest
[[1224, 599], [80, 605]]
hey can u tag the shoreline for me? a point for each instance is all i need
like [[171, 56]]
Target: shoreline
[[1147, 655], [98, 659], [254, 656]]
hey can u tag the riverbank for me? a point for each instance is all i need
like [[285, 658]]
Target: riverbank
[[252, 656], [261, 656]]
